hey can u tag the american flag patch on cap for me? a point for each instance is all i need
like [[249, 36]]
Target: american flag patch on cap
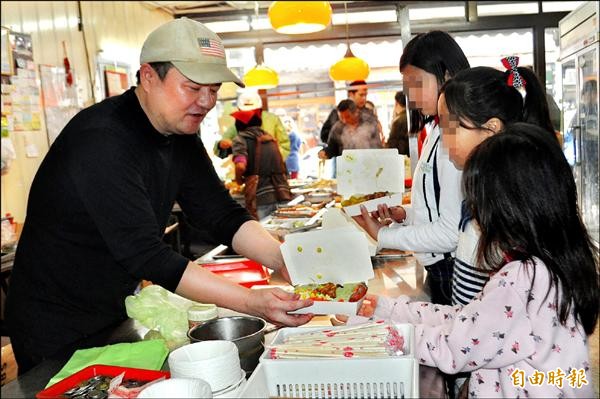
[[211, 47]]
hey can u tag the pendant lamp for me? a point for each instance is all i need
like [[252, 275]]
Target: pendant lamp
[[297, 17], [350, 67], [261, 77]]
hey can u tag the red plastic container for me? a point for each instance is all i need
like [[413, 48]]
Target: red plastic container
[[64, 385], [244, 272]]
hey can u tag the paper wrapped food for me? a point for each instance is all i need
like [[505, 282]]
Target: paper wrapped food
[[330, 266], [370, 177]]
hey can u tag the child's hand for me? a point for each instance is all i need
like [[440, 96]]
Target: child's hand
[[366, 310], [368, 306]]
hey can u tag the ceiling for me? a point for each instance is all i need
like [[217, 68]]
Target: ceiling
[[205, 7], [213, 9]]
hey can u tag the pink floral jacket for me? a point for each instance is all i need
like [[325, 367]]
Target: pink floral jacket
[[509, 337]]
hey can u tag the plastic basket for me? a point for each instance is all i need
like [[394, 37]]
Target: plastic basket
[[332, 378], [407, 331]]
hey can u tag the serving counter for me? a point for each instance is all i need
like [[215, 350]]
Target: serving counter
[[395, 274]]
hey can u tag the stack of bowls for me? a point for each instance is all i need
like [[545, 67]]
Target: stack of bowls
[[216, 362], [177, 388]]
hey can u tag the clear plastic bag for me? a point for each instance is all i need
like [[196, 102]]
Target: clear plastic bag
[[161, 311]]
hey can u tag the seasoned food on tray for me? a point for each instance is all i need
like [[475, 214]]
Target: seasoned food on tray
[[357, 199], [349, 292]]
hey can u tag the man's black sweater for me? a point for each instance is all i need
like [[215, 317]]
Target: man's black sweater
[[96, 215]]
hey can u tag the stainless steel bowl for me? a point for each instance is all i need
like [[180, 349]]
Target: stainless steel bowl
[[246, 332]]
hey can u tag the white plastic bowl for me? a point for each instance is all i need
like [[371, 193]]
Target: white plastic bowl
[[178, 388], [217, 362]]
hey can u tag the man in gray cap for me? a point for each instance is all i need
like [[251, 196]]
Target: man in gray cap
[[100, 201]]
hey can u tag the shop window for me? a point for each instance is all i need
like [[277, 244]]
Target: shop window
[[487, 48], [489, 9], [557, 6]]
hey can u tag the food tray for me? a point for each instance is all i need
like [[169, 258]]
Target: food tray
[[407, 331], [331, 378], [245, 272], [99, 369]]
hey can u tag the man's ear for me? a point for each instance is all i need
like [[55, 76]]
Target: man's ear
[[147, 75], [494, 124]]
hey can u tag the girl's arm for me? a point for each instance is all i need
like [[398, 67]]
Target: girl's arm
[[493, 331]]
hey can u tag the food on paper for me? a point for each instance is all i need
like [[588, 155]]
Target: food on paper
[[350, 292], [357, 199]]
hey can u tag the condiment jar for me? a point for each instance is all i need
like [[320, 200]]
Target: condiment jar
[[198, 314]]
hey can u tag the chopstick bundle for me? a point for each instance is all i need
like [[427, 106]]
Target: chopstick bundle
[[376, 339]]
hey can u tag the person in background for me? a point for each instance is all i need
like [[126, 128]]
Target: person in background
[[257, 156], [534, 317], [101, 199], [358, 94], [250, 100], [292, 162], [398, 137], [371, 107], [354, 130], [429, 226], [474, 105]]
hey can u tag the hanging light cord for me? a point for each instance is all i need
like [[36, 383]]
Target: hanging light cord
[[346, 13]]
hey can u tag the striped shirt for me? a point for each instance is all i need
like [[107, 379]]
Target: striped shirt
[[467, 279]]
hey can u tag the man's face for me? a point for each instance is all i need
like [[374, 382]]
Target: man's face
[[348, 117], [176, 105], [359, 97]]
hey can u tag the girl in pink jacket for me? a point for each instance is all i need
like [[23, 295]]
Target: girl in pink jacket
[[525, 334]]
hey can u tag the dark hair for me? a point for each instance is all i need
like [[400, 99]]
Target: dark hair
[[400, 98], [356, 83], [161, 69], [254, 121], [347, 104], [521, 191], [435, 52], [481, 93]]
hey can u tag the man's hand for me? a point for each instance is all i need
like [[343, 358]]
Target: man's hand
[[225, 144], [273, 305], [322, 154]]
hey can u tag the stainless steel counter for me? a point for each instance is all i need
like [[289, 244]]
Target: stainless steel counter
[[393, 277]]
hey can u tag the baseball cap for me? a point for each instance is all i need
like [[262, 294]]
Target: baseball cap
[[196, 51], [249, 100]]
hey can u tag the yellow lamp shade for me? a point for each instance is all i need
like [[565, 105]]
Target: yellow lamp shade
[[296, 17], [261, 77], [350, 68]]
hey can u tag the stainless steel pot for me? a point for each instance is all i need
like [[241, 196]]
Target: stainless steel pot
[[246, 332]]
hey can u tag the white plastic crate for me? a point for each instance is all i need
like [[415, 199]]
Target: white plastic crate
[[407, 331], [332, 378]]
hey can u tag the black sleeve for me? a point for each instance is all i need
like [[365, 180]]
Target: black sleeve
[[334, 147], [205, 200], [108, 175], [331, 120]]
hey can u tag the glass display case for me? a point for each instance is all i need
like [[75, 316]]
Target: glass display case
[[579, 64]]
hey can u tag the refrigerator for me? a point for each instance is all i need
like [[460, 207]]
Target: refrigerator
[[579, 69]]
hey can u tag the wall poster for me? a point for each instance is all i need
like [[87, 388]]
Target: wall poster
[[59, 99], [6, 53], [26, 112]]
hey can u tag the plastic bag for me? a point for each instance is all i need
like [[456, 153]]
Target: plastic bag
[[161, 311]]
